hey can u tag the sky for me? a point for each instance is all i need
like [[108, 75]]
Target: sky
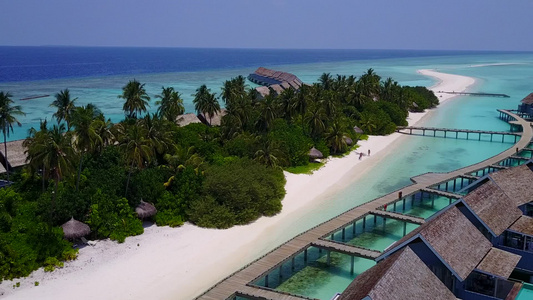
[[333, 24]]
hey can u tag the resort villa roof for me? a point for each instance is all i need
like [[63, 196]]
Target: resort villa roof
[[523, 225], [528, 99], [276, 80], [145, 210], [516, 182], [492, 207], [15, 154], [186, 119], [457, 243], [498, 262], [214, 120], [358, 130], [403, 275]]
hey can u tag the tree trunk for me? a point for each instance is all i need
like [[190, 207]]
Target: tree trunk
[[79, 173], [43, 172], [5, 154], [128, 181]]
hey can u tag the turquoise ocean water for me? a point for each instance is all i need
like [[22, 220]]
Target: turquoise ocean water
[[511, 74]]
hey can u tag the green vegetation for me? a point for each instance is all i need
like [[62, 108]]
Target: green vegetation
[[98, 172], [307, 169]]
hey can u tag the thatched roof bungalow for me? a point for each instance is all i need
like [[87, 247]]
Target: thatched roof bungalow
[[401, 276], [314, 153], [75, 229], [277, 80], [145, 210], [186, 119], [499, 263], [214, 120], [16, 155], [526, 105], [358, 130]]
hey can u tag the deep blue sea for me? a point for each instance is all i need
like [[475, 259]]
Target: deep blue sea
[[41, 63]]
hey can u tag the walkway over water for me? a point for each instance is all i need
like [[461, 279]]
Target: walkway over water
[[346, 249], [469, 132], [399, 217], [476, 94], [240, 280], [442, 193]]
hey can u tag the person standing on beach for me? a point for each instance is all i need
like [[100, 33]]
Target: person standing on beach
[[368, 152], [360, 155]]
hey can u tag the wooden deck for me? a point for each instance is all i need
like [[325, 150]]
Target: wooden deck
[[442, 193], [470, 134], [239, 280]]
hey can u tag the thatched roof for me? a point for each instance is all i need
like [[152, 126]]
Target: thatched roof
[[493, 207], [214, 120], [498, 262], [314, 153], [277, 88], [516, 182], [186, 119], [15, 154], [145, 210], [523, 225], [401, 276], [348, 140], [74, 229], [528, 99], [358, 130], [456, 241], [267, 77]]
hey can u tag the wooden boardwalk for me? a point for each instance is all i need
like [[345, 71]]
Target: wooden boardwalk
[[239, 280], [469, 133], [476, 94], [397, 216], [442, 193], [346, 249]]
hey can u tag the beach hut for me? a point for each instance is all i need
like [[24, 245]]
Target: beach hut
[[516, 183], [186, 119], [145, 210], [401, 276], [16, 155], [315, 154], [214, 120], [358, 130], [348, 140], [75, 229]]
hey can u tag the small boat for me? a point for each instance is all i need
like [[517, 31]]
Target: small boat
[[35, 97]]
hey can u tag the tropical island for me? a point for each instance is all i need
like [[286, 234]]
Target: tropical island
[[87, 168]]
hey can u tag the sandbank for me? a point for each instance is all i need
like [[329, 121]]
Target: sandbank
[[181, 263]]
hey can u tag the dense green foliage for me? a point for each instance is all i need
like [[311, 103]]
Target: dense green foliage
[[213, 176]]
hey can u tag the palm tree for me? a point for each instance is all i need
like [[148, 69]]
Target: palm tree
[[286, 103], [314, 120], [104, 129], [135, 148], [300, 103], [205, 102], [370, 82], [335, 138], [326, 81], [171, 104], [267, 111], [157, 133], [8, 113], [52, 149], [367, 124], [269, 154], [233, 89], [136, 98], [36, 137], [86, 136], [65, 106]]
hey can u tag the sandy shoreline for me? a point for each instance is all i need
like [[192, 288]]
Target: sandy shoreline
[[181, 263]]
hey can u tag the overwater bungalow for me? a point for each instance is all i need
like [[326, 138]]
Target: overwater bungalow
[[16, 156], [271, 80], [403, 275], [460, 256], [186, 119], [526, 105]]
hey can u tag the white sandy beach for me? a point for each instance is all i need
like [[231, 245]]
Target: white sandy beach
[[181, 263]]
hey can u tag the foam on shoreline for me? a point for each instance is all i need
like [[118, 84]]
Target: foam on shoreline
[[181, 263]]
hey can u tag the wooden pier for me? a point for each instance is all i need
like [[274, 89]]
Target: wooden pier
[[469, 133], [241, 281], [399, 217], [346, 249], [476, 94]]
